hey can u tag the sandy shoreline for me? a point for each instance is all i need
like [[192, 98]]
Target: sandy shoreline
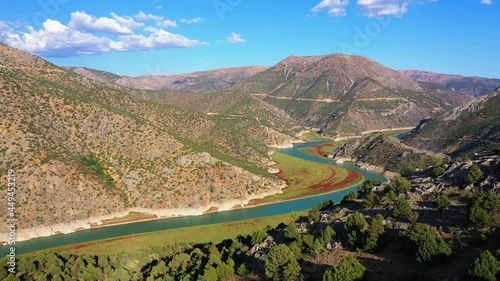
[[97, 221]]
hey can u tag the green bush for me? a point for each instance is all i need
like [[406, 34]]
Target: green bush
[[442, 201], [474, 174], [485, 267], [438, 171], [400, 185], [485, 209], [371, 199], [281, 264], [258, 236], [355, 226], [373, 233], [402, 209], [423, 242], [348, 270]]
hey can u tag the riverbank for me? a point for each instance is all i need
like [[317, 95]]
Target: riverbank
[[158, 214]]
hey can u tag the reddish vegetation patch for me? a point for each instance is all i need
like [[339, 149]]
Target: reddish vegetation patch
[[320, 149]]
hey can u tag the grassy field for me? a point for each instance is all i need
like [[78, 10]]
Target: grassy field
[[322, 149], [312, 135], [306, 178], [129, 218], [196, 234]]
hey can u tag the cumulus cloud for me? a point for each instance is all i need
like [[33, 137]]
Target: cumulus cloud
[[235, 38], [487, 2], [370, 8], [115, 25], [86, 34], [332, 7], [193, 20], [167, 23], [141, 16], [159, 39]]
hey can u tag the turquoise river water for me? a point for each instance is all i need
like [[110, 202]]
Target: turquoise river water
[[178, 222]]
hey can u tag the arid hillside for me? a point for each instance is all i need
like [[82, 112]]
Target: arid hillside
[[81, 148]]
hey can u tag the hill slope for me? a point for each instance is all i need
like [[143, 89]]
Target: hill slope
[[473, 128], [474, 86], [347, 94], [81, 149], [209, 81]]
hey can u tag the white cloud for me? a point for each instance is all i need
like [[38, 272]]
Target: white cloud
[[235, 38], [81, 37], [370, 8], [167, 23], [332, 7], [141, 16], [378, 8], [115, 25], [150, 29], [56, 40], [160, 39], [487, 2], [193, 20]]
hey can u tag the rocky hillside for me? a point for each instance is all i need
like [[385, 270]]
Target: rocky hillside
[[81, 148], [380, 153], [473, 128], [210, 81], [347, 94], [474, 86]]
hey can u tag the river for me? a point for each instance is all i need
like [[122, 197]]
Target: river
[[179, 222]]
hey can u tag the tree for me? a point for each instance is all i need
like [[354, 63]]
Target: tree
[[371, 199], [292, 231], [225, 272], [431, 249], [258, 236], [368, 185], [442, 201], [400, 185], [423, 242], [327, 236], [402, 209], [474, 175], [350, 197], [348, 270], [390, 196], [355, 226], [281, 264], [242, 270], [209, 274], [485, 209], [438, 171], [485, 267], [375, 230], [314, 215]]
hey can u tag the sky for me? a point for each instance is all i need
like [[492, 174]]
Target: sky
[[180, 36]]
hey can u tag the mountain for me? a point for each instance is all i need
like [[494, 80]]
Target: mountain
[[474, 86], [345, 95], [97, 75], [473, 128], [210, 81], [81, 148]]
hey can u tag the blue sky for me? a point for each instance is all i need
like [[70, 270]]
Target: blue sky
[[169, 36]]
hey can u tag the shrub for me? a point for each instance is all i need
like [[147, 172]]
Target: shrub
[[485, 267], [258, 236], [438, 171], [281, 264], [348, 270], [485, 209], [424, 243], [371, 199], [402, 209], [442, 201], [474, 174], [355, 226], [400, 185], [375, 230]]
